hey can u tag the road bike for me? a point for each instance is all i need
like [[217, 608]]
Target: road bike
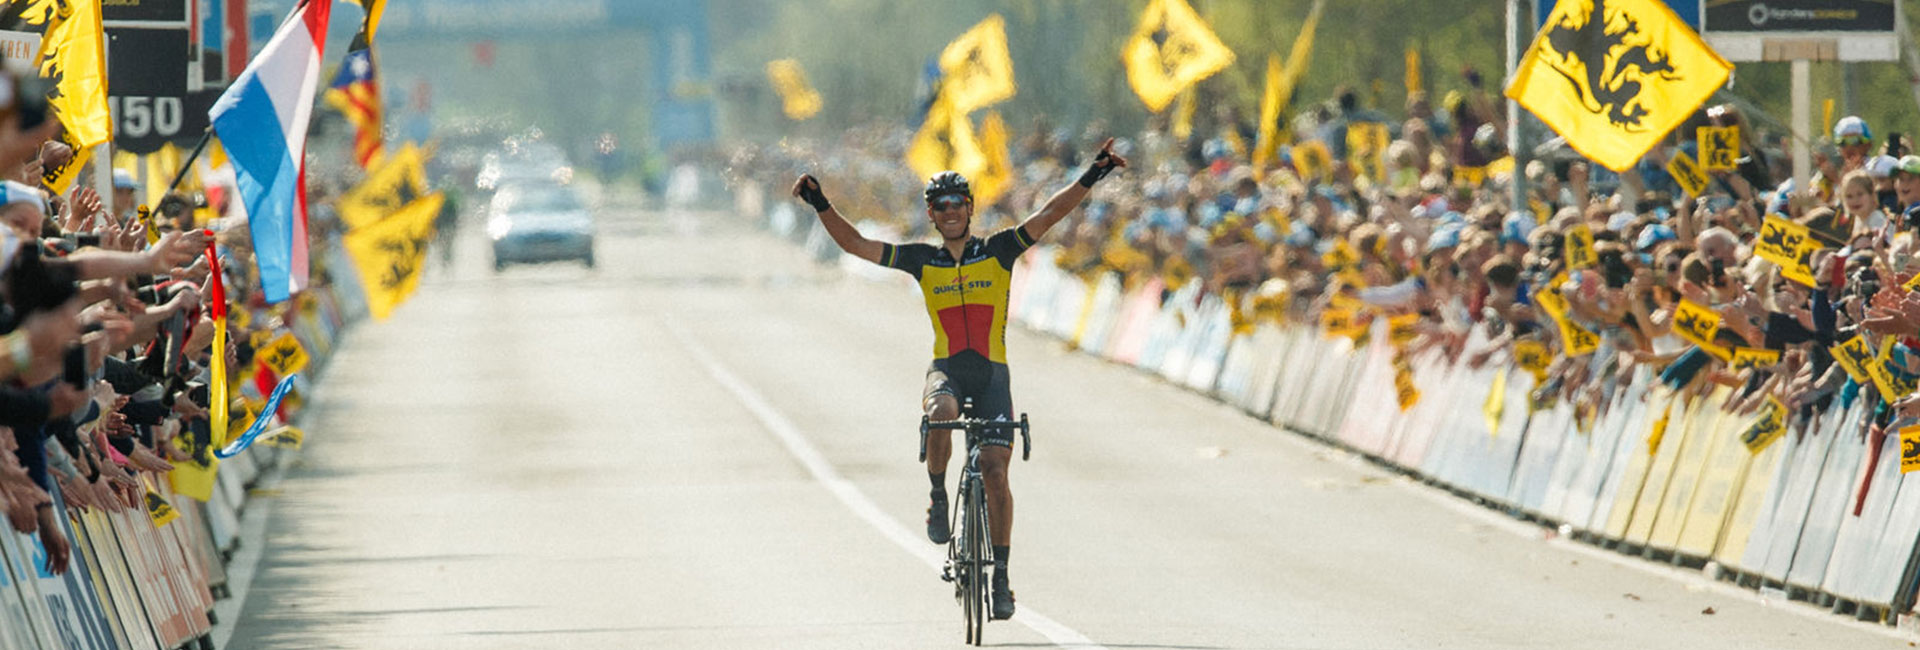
[[968, 548]]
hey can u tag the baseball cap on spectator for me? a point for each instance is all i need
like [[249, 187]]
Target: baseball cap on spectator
[[1652, 235], [1909, 164], [1881, 166], [123, 180], [12, 192], [1447, 236], [1517, 227], [1851, 130]]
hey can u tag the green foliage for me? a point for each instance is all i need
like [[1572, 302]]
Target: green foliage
[[865, 57]]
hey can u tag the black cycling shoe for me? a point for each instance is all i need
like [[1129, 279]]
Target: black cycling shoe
[[937, 522], [1002, 597]]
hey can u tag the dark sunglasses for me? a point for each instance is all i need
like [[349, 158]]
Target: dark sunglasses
[[1853, 140], [949, 202]]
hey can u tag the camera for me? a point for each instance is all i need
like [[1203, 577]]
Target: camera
[[1615, 271], [31, 95], [34, 284], [73, 367]]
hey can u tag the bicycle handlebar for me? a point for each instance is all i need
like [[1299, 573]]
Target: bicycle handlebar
[[978, 425]]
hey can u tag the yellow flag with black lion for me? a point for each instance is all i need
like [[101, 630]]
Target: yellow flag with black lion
[[1614, 76]]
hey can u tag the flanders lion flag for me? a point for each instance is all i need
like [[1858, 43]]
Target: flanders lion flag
[[73, 57], [945, 141], [1614, 76], [975, 70], [798, 99], [389, 253], [1172, 49]]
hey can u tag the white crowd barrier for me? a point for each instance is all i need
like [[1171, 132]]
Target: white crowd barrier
[[131, 584], [1817, 513]]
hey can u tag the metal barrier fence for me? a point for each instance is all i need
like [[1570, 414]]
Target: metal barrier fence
[[1823, 513], [131, 584]]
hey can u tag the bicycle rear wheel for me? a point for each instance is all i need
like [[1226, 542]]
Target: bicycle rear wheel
[[976, 552]]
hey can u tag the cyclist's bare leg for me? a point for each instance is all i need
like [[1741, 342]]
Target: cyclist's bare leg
[[940, 441], [993, 469]]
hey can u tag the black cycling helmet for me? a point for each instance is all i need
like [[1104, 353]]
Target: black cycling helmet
[[946, 183]]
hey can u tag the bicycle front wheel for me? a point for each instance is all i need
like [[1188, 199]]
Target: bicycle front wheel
[[975, 551]]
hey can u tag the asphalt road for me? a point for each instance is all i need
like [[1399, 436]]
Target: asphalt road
[[709, 442]]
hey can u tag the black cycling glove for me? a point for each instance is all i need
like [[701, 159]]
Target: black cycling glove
[[810, 192], [1102, 165]]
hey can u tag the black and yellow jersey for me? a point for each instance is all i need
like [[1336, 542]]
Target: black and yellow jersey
[[967, 298]]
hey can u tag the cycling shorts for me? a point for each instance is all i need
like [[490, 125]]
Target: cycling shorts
[[970, 376]]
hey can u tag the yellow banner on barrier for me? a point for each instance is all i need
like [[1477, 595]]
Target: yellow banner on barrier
[[159, 510], [1578, 340], [285, 355], [1745, 358], [1767, 428], [284, 437], [1496, 403], [1854, 355], [1403, 329], [1909, 448], [192, 477], [1695, 322], [1404, 389], [1532, 355], [1891, 383], [1659, 432]]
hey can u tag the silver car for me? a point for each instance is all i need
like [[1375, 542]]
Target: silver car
[[539, 223]]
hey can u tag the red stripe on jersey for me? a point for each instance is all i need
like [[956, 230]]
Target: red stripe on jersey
[[968, 327]]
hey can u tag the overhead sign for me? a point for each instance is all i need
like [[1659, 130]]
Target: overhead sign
[[1777, 30], [146, 61], [1800, 15], [153, 11], [147, 89]]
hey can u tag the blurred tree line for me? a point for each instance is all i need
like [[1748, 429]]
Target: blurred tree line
[[866, 56]]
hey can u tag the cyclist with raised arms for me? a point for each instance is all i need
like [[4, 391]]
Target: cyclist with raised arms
[[965, 280]]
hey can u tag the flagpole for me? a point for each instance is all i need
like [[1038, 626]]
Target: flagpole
[[1516, 145], [188, 163]]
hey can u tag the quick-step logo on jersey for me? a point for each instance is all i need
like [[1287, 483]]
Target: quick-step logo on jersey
[[966, 299]]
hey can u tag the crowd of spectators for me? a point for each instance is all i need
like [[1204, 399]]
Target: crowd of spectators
[[1372, 216], [107, 330]]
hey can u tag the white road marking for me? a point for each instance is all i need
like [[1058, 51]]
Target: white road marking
[[797, 444]]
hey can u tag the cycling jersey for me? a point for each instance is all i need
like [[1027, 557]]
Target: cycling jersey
[[966, 298]]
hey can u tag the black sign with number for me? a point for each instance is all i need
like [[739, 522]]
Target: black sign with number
[[147, 89], [146, 61], [1800, 16], [144, 123], [156, 10]]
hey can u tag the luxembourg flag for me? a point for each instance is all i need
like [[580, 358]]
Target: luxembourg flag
[[262, 122]]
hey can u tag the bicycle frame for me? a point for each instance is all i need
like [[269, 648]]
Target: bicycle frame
[[967, 556]]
